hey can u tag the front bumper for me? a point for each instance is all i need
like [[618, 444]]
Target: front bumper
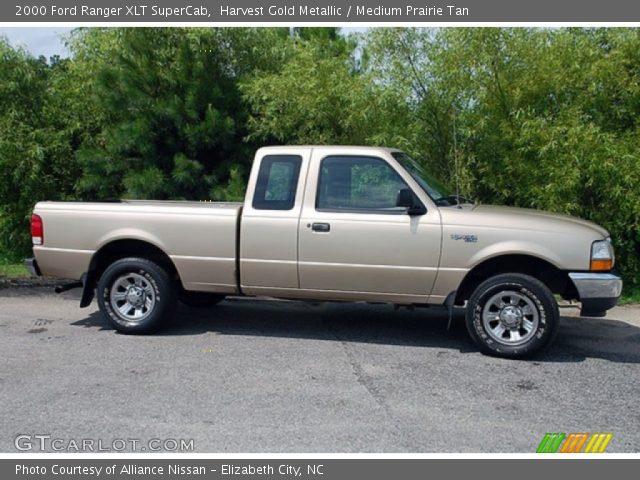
[[598, 292], [32, 266]]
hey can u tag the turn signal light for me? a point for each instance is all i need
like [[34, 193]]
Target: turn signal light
[[601, 265]]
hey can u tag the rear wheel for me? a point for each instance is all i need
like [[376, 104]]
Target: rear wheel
[[136, 295], [512, 315]]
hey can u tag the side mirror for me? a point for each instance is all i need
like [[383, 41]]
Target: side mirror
[[408, 200], [404, 198]]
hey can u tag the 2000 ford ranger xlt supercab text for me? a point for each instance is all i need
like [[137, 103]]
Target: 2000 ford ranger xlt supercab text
[[339, 224]]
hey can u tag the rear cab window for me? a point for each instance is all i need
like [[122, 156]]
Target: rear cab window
[[277, 182]]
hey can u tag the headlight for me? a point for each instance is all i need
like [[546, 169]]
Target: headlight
[[602, 257]]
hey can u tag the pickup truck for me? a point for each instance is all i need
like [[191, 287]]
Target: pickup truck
[[333, 223]]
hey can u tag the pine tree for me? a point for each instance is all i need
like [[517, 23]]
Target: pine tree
[[174, 117]]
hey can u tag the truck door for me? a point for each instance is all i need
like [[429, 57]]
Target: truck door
[[269, 221], [355, 241]]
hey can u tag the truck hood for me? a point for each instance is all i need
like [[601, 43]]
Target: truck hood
[[518, 218]]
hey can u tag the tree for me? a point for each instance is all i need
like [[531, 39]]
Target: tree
[[174, 119], [319, 96], [544, 118], [36, 143]]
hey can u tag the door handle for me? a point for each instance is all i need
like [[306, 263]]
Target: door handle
[[320, 227]]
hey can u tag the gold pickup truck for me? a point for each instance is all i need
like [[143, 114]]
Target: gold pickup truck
[[333, 223]]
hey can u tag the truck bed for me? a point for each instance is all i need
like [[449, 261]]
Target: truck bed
[[199, 237]]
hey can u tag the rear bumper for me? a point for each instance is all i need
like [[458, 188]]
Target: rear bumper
[[598, 292], [32, 266]]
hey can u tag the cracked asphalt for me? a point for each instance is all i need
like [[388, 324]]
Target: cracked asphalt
[[270, 376]]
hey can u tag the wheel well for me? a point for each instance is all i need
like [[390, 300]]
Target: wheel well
[[555, 279], [118, 249]]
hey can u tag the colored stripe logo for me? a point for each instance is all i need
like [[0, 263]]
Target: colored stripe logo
[[574, 443]]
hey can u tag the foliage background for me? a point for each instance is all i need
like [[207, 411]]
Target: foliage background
[[541, 118]]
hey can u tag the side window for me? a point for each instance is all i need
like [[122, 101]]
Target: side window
[[366, 184], [277, 182]]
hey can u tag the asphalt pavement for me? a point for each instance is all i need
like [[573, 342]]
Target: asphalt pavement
[[272, 376]]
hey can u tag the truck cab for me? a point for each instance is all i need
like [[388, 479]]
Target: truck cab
[[324, 222]]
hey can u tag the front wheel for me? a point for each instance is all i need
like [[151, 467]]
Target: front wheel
[[512, 316], [136, 295]]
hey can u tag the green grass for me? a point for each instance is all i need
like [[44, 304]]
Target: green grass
[[10, 268], [629, 296]]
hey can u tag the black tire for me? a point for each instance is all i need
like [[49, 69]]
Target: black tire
[[200, 299], [150, 282], [525, 324]]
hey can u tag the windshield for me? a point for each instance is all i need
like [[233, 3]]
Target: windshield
[[432, 187]]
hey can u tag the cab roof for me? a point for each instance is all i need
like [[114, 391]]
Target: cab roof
[[341, 148]]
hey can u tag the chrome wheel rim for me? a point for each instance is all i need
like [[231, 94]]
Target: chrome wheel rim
[[510, 318], [132, 297]]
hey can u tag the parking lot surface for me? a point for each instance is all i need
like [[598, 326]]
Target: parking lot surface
[[272, 376]]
